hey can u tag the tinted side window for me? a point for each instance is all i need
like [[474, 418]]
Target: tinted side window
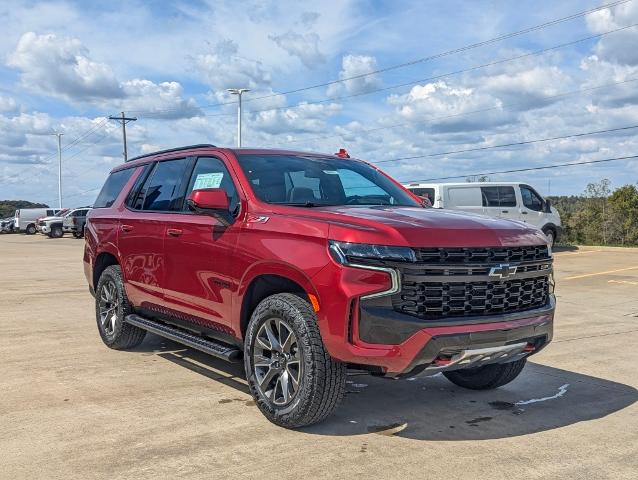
[[424, 192], [490, 196], [49, 213], [531, 200], [161, 189], [135, 197], [498, 196], [211, 172], [507, 196], [112, 188]]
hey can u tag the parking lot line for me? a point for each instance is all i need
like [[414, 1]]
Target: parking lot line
[[608, 272], [564, 254], [623, 282]]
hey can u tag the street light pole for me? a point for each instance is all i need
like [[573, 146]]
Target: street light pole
[[59, 135], [238, 92]]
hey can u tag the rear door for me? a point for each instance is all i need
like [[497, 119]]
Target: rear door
[[500, 201], [532, 207], [142, 228], [199, 252]]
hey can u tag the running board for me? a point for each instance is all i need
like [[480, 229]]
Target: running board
[[211, 347]]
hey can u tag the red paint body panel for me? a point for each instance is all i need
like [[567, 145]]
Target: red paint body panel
[[191, 264]]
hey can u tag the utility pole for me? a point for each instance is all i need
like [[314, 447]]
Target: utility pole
[[59, 135], [124, 120], [238, 92]]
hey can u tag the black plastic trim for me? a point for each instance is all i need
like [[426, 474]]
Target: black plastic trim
[[171, 150], [211, 347], [379, 323]]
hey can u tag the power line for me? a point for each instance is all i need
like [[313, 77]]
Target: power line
[[472, 112], [512, 144], [409, 63], [530, 169]]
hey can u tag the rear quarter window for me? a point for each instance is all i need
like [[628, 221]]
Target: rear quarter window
[[112, 188], [464, 197]]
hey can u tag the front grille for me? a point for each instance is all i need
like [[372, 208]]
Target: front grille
[[457, 287], [482, 255]]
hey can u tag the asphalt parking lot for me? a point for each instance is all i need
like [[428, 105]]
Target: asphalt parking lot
[[72, 408]]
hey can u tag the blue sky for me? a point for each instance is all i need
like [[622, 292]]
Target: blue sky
[[65, 66]]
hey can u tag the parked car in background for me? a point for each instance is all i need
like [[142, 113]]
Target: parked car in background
[[26, 219], [74, 222], [53, 226], [7, 225], [508, 200], [307, 264]]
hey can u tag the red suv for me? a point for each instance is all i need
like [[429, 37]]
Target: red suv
[[307, 264]]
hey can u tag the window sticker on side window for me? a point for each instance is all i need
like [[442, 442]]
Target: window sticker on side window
[[208, 180], [331, 172]]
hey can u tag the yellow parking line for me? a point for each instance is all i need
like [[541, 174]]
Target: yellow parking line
[[600, 273], [623, 282], [564, 254]]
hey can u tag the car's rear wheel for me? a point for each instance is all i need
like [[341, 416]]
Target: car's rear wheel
[[291, 376], [486, 377], [111, 308], [30, 230], [77, 235]]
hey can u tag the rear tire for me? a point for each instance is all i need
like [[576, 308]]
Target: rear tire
[[30, 230], [487, 377], [111, 308], [291, 376], [77, 235]]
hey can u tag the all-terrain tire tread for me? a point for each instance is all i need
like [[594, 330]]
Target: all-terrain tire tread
[[328, 374], [129, 336]]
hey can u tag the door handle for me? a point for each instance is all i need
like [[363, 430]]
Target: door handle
[[505, 211], [174, 232], [523, 213], [126, 228]]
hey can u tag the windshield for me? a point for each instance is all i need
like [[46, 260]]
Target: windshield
[[318, 181]]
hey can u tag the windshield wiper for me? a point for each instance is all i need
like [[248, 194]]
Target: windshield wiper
[[308, 204]]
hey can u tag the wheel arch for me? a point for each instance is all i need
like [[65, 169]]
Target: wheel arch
[[103, 260], [264, 281]]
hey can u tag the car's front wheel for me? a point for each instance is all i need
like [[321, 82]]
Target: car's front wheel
[[56, 232], [486, 377], [30, 230], [291, 376], [111, 308]]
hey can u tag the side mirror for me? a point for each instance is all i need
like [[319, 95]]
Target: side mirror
[[548, 206], [211, 201]]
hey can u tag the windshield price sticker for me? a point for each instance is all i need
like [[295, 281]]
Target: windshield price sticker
[[208, 180]]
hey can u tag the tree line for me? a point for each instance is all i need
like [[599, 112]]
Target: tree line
[[600, 216], [8, 207]]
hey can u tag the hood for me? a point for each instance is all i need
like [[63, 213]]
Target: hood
[[423, 227]]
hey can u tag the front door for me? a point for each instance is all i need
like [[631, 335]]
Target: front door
[[199, 254], [532, 207], [142, 232]]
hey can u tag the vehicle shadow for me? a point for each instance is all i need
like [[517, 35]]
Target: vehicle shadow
[[565, 248], [431, 408]]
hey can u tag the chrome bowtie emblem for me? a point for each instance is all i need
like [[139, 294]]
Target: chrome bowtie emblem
[[504, 270]]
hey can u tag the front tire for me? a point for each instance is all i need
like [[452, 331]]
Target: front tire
[[56, 232], [291, 376], [551, 236], [487, 377], [111, 308], [30, 230]]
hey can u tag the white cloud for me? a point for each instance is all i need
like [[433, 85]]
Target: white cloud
[[224, 68], [303, 46], [8, 104], [618, 47], [352, 66], [301, 119], [61, 67]]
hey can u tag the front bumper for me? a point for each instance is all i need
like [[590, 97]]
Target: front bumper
[[396, 344]]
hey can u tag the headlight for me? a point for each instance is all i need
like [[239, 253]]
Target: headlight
[[344, 252]]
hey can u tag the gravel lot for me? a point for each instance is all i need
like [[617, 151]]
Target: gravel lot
[[72, 408]]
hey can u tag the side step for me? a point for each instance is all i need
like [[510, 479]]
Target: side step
[[211, 347]]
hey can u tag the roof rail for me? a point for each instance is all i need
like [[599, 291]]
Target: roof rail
[[188, 147]]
